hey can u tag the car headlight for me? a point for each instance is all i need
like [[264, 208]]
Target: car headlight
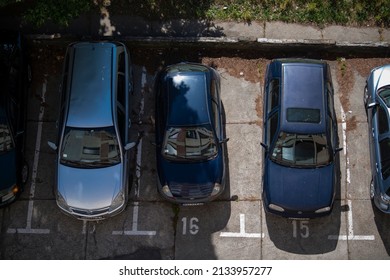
[[9, 193], [117, 202], [322, 210], [276, 207], [385, 198], [217, 189], [166, 191], [61, 202]]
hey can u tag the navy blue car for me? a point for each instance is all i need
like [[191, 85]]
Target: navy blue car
[[190, 135], [15, 76], [300, 139]]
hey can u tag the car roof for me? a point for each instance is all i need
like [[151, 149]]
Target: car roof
[[187, 89], [90, 102], [380, 76], [303, 93]]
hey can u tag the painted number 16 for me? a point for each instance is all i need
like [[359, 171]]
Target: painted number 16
[[190, 225]]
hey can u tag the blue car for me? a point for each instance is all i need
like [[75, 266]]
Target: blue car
[[92, 163], [15, 76], [189, 134], [377, 104], [300, 139]]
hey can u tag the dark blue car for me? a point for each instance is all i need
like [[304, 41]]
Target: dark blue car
[[300, 139], [190, 135], [15, 76]]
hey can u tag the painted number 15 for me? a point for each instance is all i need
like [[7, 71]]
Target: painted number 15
[[301, 227]]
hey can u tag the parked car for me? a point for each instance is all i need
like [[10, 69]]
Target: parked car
[[377, 104], [190, 135], [15, 76], [92, 164], [300, 139]]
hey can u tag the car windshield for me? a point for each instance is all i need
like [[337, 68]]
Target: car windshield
[[6, 143], [86, 148], [301, 150], [189, 143]]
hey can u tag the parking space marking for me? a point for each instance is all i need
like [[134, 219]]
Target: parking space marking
[[138, 167], [139, 146], [345, 147], [28, 228], [134, 230], [351, 235], [242, 232]]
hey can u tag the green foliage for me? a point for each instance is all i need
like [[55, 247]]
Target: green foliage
[[60, 12], [321, 12]]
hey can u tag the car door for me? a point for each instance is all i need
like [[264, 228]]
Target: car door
[[378, 127]]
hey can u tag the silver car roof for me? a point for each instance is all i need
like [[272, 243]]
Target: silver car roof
[[91, 83]]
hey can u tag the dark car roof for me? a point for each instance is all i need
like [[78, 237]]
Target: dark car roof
[[302, 99], [186, 85]]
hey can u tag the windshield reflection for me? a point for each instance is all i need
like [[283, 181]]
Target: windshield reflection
[[196, 143], [301, 150], [96, 147], [5, 139]]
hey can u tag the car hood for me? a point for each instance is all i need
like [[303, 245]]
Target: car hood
[[8, 170], [89, 188], [301, 189], [190, 173]]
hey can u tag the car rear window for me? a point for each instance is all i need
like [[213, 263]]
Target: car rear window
[[304, 115]]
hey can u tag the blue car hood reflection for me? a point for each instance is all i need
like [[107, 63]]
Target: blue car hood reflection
[[89, 188], [8, 170], [302, 189]]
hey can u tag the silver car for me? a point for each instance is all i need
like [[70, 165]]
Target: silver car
[[377, 104], [92, 167]]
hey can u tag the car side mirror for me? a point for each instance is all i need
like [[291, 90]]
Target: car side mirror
[[18, 133], [223, 141], [338, 150], [52, 145], [264, 146], [130, 145], [371, 105]]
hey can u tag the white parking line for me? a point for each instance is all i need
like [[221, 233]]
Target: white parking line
[[134, 230], [242, 232], [138, 168], [345, 147], [351, 235], [28, 228]]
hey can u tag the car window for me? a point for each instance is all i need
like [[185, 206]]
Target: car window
[[273, 94], [122, 125], [301, 150], [272, 127], [121, 90], [215, 107], [92, 147], [6, 143], [330, 100], [383, 123], [384, 93], [189, 143], [384, 147]]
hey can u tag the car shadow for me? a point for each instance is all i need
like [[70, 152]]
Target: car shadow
[[196, 226], [308, 237], [382, 221]]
